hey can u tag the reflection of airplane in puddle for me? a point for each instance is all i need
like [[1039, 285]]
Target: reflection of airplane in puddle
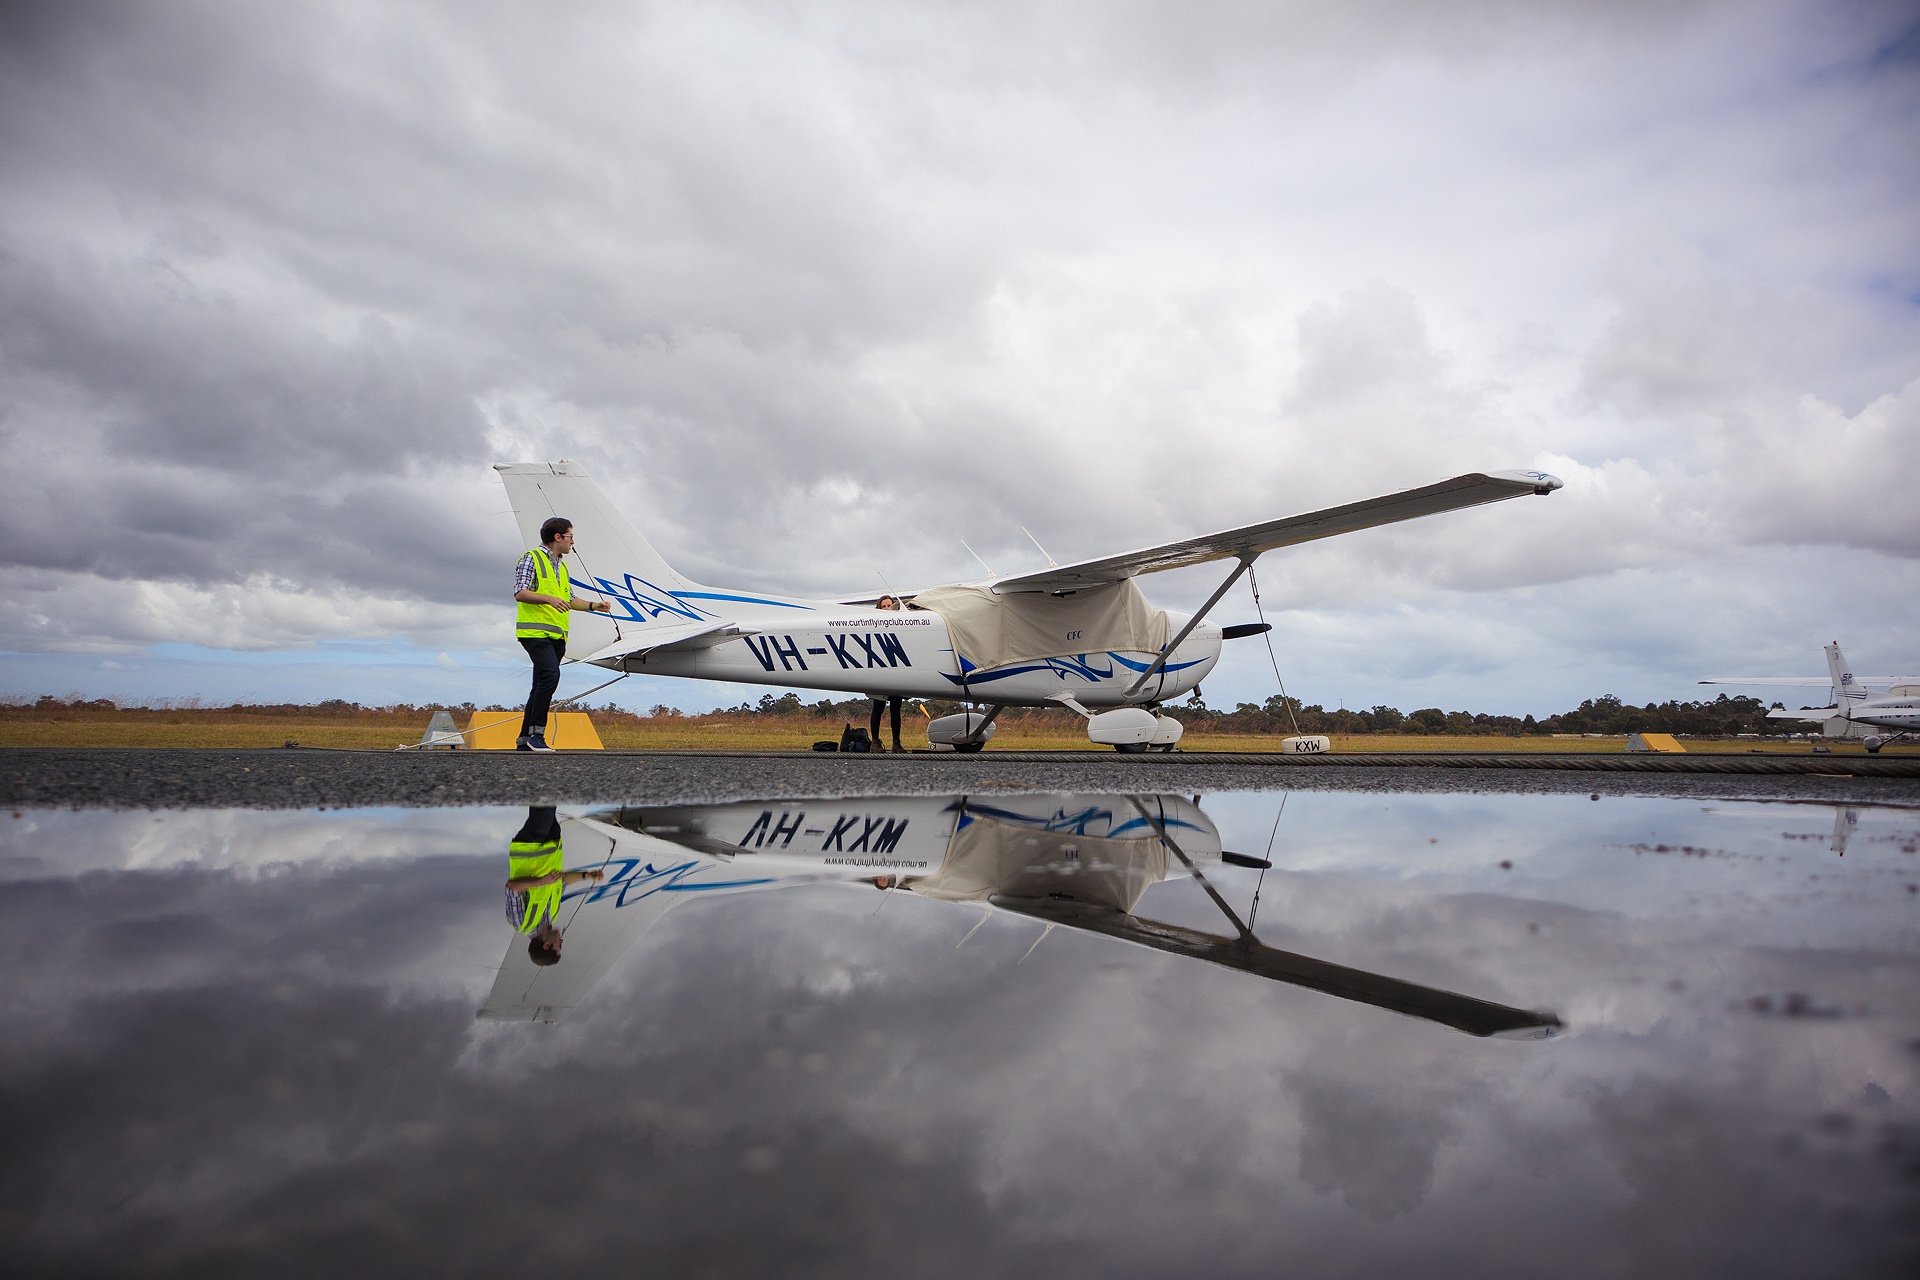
[[1846, 821], [1846, 825], [1080, 861]]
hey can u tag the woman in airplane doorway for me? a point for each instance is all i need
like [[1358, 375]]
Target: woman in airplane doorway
[[892, 705], [535, 883]]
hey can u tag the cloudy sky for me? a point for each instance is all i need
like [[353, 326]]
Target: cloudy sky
[[819, 291]]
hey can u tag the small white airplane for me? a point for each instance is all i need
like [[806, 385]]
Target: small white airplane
[[1079, 635], [1878, 702], [1080, 862]]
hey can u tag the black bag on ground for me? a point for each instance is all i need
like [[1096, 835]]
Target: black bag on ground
[[852, 739], [828, 745]]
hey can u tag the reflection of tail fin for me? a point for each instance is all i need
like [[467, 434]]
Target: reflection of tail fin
[[525, 992], [644, 877], [1844, 689], [609, 549], [1845, 822]]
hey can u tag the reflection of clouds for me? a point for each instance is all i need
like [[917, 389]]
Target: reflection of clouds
[[204, 1064], [1376, 1151], [249, 842]]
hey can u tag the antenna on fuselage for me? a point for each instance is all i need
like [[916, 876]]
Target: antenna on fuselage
[[1051, 562], [976, 556]]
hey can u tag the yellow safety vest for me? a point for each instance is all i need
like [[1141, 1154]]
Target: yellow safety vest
[[544, 621], [529, 860]]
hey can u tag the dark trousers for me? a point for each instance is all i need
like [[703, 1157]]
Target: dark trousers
[[873, 730], [546, 655], [542, 826]]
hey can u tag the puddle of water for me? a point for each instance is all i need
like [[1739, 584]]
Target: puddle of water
[[1020, 1034]]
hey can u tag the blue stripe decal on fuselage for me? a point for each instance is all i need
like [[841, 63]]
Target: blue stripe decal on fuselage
[[1076, 823], [719, 595], [1079, 668]]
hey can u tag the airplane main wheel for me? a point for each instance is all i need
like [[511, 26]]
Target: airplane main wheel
[[1132, 748], [1873, 746], [968, 747]]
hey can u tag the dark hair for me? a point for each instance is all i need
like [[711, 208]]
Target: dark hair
[[553, 527], [540, 953]]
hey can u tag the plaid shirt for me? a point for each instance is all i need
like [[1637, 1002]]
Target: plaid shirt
[[524, 575], [517, 910]]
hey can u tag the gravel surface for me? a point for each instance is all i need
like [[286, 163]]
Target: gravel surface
[[310, 779]]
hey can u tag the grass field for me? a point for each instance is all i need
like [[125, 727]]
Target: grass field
[[96, 726]]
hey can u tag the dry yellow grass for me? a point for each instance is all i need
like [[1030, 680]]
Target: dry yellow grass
[[205, 729], [27, 727]]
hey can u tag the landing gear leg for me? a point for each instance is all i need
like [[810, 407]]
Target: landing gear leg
[[975, 743]]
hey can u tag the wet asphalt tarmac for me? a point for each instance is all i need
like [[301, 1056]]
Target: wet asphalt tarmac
[[311, 779]]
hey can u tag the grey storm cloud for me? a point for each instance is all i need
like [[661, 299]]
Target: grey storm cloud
[[277, 284]]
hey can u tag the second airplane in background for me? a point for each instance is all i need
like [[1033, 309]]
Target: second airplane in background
[[1879, 710]]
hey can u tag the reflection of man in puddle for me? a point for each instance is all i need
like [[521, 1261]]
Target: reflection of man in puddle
[[535, 883]]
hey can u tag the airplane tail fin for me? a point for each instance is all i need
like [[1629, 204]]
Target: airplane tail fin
[[610, 557], [1845, 690]]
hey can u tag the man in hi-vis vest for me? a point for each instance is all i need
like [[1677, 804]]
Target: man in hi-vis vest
[[545, 594], [535, 883]]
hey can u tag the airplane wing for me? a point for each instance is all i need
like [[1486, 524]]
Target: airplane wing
[[1809, 682], [670, 637], [1470, 490], [1463, 1013], [1781, 682]]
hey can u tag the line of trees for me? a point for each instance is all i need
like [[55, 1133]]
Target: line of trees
[[1724, 716]]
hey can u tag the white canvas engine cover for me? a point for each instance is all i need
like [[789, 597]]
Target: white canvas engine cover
[[989, 857], [992, 631]]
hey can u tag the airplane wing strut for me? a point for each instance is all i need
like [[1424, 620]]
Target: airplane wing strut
[[1160, 829], [1245, 564]]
